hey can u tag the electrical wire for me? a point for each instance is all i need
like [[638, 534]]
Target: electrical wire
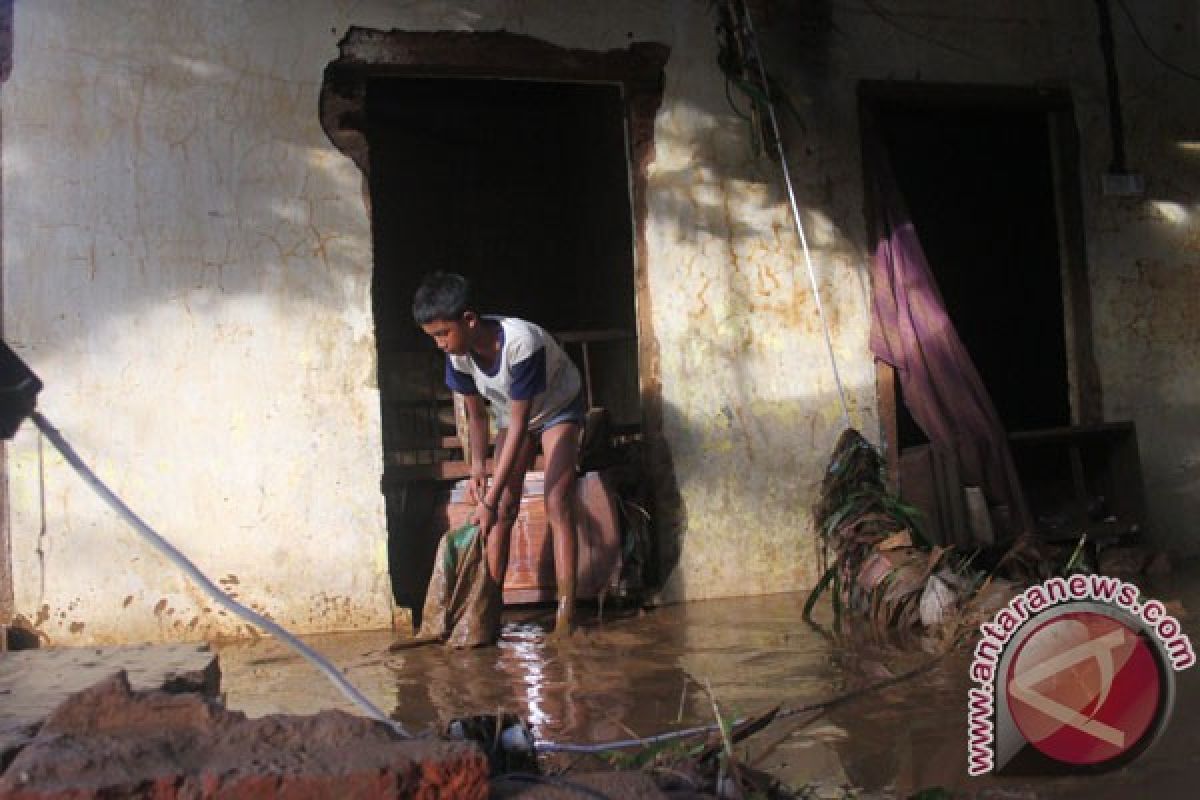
[[890, 20], [543, 746], [733, 106], [1137, 31], [201, 580], [650, 741]]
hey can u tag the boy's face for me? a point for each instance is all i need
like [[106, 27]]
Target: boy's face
[[452, 336]]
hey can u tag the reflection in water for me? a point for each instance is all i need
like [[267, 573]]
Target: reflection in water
[[646, 673], [597, 686], [634, 675]]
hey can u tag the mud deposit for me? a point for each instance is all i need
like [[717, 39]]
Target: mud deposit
[[641, 674], [636, 674], [108, 741]]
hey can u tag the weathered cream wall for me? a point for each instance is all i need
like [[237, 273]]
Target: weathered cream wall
[[751, 404], [1145, 262], [187, 264], [1142, 251]]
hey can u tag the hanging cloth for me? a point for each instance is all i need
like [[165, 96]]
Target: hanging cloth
[[911, 331], [463, 603]]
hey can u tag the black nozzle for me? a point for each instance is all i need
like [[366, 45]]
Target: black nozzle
[[18, 391]]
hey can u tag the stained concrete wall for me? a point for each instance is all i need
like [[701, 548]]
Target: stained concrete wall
[[187, 263], [743, 367], [1145, 264], [187, 266], [1141, 251]]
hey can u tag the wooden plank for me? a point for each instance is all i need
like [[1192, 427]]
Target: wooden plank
[[1087, 400], [885, 392], [519, 596], [451, 442], [1078, 480], [609, 335], [1069, 433], [437, 471]]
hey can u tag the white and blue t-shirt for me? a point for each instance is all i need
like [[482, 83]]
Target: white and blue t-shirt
[[531, 366]]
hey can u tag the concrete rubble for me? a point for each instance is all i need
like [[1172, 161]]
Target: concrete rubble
[[112, 741]]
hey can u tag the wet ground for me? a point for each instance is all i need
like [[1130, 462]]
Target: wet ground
[[34, 682], [636, 674], [644, 673]]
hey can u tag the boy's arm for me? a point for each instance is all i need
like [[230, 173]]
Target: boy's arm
[[478, 435], [518, 429]]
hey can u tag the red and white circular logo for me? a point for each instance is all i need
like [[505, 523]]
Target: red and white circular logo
[[1086, 688]]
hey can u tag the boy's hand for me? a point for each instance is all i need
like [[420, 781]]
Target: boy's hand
[[477, 486], [484, 516]]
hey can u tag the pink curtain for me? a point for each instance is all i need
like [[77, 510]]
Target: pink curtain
[[911, 331]]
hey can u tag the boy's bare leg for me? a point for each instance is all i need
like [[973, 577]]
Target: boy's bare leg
[[507, 509], [560, 446]]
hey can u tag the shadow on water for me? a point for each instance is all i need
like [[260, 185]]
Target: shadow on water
[[645, 673]]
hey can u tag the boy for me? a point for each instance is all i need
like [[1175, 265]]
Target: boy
[[536, 393]]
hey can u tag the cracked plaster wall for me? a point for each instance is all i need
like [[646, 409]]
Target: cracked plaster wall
[[1142, 251], [188, 269], [187, 265], [1145, 262], [755, 437]]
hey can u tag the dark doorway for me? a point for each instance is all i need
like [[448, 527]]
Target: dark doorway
[[524, 187], [979, 185]]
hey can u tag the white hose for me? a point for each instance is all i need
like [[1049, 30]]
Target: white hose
[[625, 744], [795, 206], [198, 577]]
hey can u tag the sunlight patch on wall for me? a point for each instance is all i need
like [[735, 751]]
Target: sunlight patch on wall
[[15, 160], [205, 70], [337, 168], [1175, 213]]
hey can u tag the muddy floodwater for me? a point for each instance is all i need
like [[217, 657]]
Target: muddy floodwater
[[641, 673]]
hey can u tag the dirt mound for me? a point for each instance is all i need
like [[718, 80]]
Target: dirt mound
[[109, 741]]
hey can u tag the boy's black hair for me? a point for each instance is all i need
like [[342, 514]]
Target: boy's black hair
[[442, 295]]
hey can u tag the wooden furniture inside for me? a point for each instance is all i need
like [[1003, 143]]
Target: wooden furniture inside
[[530, 575], [426, 461], [1083, 479]]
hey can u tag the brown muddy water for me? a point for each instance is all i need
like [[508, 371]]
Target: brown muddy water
[[644, 673]]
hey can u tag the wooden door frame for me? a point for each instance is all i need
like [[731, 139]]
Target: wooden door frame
[[7, 594], [1083, 377], [638, 69]]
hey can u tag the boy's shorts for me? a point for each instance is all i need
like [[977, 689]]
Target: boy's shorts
[[574, 412]]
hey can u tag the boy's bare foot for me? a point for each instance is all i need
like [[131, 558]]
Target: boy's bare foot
[[564, 619], [413, 643]]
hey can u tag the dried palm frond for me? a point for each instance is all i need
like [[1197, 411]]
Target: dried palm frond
[[880, 562], [1030, 560], [876, 563]]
